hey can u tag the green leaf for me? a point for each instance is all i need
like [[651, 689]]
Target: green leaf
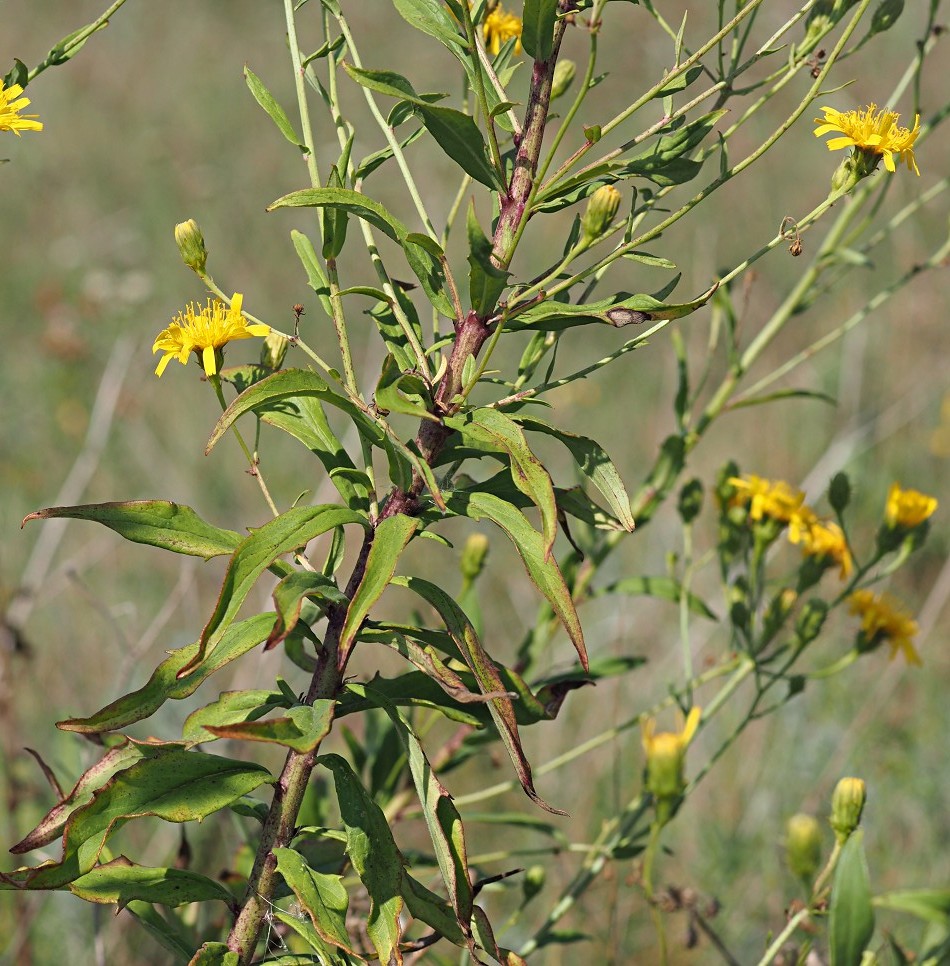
[[784, 394], [493, 429], [323, 897], [486, 673], [680, 82], [427, 269], [931, 905], [166, 683], [459, 137], [157, 523], [315, 277], [593, 462], [390, 539], [425, 905], [666, 588], [485, 281], [374, 855], [214, 954], [229, 708], [290, 531], [119, 881], [302, 729], [171, 934], [441, 816], [276, 113], [537, 32], [542, 569], [290, 594], [169, 783], [851, 915], [397, 342], [401, 392], [430, 17]]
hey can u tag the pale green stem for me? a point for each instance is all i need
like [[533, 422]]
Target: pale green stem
[[649, 857], [784, 936], [480, 96], [301, 90]]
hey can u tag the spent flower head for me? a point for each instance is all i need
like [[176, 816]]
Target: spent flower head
[[205, 331], [499, 27], [11, 103], [883, 619], [873, 135], [907, 509]]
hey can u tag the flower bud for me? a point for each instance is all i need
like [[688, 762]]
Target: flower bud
[[564, 73], [847, 175], [839, 492], [847, 804], [191, 244], [601, 210], [691, 500], [273, 350], [533, 883], [473, 556], [803, 845], [810, 620]]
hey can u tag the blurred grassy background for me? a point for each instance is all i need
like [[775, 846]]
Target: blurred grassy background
[[151, 124]]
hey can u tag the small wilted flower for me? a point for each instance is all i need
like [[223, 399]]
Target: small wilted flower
[[907, 509], [11, 103], [564, 72], [775, 501], [601, 211], [803, 845], [883, 619], [847, 804], [191, 245], [666, 755], [205, 332], [873, 135], [499, 27]]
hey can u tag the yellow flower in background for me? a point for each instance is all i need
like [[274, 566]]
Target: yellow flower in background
[[10, 106], [908, 508], [883, 619], [205, 331], [666, 753], [873, 133], [499, 27], [822, 539], [778, 500]]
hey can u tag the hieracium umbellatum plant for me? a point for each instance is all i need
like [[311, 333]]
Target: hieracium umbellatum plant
[[436, 445]]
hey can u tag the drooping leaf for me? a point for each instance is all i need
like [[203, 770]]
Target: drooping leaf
[[276, 113], [165, 683], [171, 933], [593, 462], [430, 16], [289, 597], [157, 523], [302, 728], [374, 855], [120, 881], [230, 707], [537, 33], [423, 904], [851, 915]]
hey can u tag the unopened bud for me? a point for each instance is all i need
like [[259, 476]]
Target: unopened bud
[[601, 210], [846, 176], [847, 804], [691, 500], [273, 350], [810, 620], [191, 244], [839, 492], [473, 556], [533, 883], [563, 77], [803, 845]]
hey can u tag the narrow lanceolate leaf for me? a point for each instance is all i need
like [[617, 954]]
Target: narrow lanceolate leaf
[[496, 431], [593, 462], [158, 523], [276, 113], [290, 594], [665, 588], [288, 532], [851, 917], [165, 684], [430, 16], [485, 281], [423, 904], [537, 33], [323, 897], [542, 570], [401, 392], [441, 816], [303, 727], [486, 673], [426, 268], [390, 539], [120, 882], [930, 905], [171, 783], [229, 708], [373, 853]]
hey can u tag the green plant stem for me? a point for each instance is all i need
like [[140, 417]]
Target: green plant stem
[[827, 871], [776, 947], [649, 856]]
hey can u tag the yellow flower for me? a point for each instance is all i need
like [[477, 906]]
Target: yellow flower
[[205, 331], [665, 753], [10, 106], [908, 508], [778, 501], [873, 133], [822, 539], [883, 619], [498, 27]]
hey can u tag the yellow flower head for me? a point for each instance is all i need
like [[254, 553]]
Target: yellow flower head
[[883, 619], [873, 133], [821, 539], [499, 27], [10, 106], [205, 331], [908, 508], [777, 501], [665, 753]]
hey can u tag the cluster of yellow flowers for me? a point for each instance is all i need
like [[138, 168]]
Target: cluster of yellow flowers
[[11, 104]]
